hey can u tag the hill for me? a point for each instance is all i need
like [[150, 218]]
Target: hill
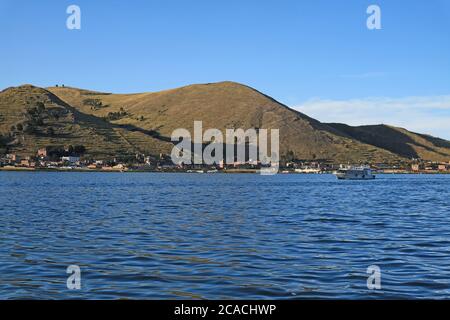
[[224, 105], [111, 125], [32, 118], [400, 141]]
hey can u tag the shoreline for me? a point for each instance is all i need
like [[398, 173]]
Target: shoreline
[[231, 171]]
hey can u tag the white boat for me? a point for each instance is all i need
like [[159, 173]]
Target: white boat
[[354, 173]]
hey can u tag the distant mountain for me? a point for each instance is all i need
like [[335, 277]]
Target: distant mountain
[[399, 141], [119, 124]]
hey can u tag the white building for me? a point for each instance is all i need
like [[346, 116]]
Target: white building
[[70, 159]]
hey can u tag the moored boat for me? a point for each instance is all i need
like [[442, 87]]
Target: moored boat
[[354, 173]]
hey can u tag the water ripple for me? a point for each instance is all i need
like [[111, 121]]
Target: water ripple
[[192, 236]]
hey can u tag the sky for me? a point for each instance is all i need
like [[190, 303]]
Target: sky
[[317, 56]]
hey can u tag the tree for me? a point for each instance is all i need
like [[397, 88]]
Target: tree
[[2, 141], [50, 131], [40, 106], [290, 156], [55, 152], [79, 149], [28, 127], [68, 150]]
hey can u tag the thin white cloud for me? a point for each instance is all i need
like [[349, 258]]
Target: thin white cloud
[[425, 114]]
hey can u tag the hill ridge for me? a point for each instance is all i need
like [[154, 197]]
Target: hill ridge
[[137, 122]]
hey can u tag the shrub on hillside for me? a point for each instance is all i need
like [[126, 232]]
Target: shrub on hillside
[[116, 115], [40, 107], [95, 104], [50, 131]]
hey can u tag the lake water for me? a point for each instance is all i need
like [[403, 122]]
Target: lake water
[[158, 236]]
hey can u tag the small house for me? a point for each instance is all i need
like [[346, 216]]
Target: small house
[[43, 152], [70, 159]]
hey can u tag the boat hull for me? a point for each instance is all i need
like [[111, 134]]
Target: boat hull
[[355, 174]]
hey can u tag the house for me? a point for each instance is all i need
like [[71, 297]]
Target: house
[[415, 167], [442, 167], [148, 160], [307, 169], [238, 164], [70, 159], [12, 157], [27, 163], [119, 166], [43, 152]]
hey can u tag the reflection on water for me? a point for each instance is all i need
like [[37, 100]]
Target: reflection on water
[[143, 235]]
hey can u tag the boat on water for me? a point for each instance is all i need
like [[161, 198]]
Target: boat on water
[[354, 173]]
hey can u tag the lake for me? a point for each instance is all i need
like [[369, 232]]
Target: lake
[[223, 236]]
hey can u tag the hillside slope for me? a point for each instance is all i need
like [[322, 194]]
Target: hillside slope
[[32, 118], [225, 105], [111, 125], [400, 141]]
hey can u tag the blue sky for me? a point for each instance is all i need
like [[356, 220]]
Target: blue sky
[[300, 52]]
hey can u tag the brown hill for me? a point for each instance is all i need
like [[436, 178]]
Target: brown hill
[[32, 118], [400, 141], [225, 105], [124, 124]]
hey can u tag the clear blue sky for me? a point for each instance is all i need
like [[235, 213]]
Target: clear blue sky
[[292, 50]]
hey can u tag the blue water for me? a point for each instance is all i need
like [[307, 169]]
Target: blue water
[[158, 236]]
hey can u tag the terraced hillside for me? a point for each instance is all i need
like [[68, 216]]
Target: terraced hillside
[[32, 118], [111, 125], [224, 105]]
